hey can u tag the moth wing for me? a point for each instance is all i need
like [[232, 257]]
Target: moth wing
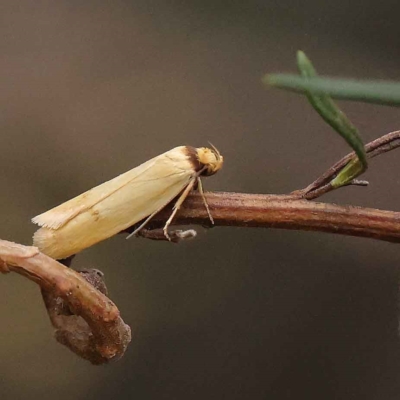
[[115, 213], [60, 215]]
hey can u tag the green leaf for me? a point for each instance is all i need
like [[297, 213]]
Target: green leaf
[[331, 113], [376, 92]]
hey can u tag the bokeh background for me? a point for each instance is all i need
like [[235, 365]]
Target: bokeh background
[[91, 89]]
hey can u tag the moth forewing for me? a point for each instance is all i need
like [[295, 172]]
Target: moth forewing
[[122, 202], [60, 215]]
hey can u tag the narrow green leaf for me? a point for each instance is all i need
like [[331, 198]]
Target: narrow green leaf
[[331, 113], [376, 92]]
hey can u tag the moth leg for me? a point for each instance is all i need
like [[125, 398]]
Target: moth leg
[[200, 188], [146, 221], [177, 206]]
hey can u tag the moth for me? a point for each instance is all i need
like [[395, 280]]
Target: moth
[[135, 196]]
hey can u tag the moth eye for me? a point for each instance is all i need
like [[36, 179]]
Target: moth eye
[[211, 169]]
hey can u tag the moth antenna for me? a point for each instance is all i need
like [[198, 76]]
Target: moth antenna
[[215, 150]]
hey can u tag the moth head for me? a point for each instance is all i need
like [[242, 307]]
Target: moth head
[[211, 159]]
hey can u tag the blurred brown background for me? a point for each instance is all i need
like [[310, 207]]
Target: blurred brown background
[[92, 89]]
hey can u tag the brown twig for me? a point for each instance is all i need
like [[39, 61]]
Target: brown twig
[[85, 319], [285, 212], [322, 185]]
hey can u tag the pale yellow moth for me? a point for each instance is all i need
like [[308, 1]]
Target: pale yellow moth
[[129, 198]]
